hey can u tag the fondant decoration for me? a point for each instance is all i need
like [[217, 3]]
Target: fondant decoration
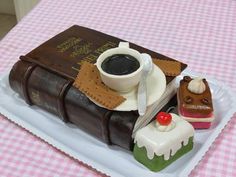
[[170, 68], [195, 102], [164, 122], [156, 149], [197, 86]]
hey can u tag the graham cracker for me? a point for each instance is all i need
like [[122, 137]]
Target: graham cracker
[[170, 68], [88, 81]]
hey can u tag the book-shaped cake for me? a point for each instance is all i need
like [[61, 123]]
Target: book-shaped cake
[[44, 77], [163, 141], [195, 102]]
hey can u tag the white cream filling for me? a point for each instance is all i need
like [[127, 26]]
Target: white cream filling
[[165, 128], [190, 119]]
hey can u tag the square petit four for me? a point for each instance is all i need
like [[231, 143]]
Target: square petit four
[[195, 102], [163, 141]]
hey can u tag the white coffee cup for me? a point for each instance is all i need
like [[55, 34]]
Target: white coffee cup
[[121, 83]]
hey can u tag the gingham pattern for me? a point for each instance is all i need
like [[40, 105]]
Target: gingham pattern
[[201, 33]]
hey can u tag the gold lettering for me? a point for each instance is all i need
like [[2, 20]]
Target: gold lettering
[[93, 56], [74, 68], [105, 47], [90, 58], [81, 50], [35, 97], [68, 44]]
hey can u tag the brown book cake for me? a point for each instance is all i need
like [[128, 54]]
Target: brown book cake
[[45, 77]]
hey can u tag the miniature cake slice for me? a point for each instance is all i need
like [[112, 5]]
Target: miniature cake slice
[[195, 102], [163, 141]]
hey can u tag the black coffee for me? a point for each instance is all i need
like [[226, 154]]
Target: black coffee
[[120, 64]]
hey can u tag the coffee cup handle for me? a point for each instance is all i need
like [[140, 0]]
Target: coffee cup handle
[[124, 44]]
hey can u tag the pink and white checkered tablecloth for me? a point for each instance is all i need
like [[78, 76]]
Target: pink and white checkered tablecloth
[[201, 33]]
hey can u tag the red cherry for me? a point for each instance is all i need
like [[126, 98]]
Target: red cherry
[[164, 118]]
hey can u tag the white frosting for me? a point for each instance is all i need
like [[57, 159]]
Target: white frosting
[[197, 86], [165, 128], [191, 119], [164, 143]]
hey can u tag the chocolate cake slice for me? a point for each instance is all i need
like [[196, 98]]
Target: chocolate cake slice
[[195, 102]]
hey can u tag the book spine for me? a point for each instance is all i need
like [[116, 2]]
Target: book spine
[[54, 93]]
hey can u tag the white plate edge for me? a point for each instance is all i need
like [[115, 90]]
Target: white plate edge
[[185, 172], [54, 143], [210, 140]]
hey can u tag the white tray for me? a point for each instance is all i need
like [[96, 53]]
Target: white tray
[[113, 161]]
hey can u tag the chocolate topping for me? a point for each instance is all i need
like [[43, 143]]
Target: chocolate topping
[[205, 101], [188, 99], [194, 103], [43, 78], [25, 82], [187, 78]]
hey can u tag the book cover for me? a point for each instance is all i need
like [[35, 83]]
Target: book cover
[[44, 78]]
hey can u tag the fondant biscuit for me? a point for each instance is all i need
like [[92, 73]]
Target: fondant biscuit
[[89, 82], [170, 68]]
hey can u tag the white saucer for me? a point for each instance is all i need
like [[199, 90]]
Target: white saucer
[[156, 85]]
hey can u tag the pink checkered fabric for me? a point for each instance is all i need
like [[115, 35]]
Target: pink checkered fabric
[[201, 33]]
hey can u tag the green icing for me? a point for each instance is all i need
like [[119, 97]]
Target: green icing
[[158, 162]]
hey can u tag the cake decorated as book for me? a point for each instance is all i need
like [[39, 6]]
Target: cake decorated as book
[[45, 77], [195, 102], [163, 141]]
